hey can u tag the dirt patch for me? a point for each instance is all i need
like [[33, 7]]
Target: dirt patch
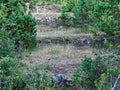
[[58, 58]]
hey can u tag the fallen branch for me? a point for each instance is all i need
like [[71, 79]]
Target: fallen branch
[[116, 82]]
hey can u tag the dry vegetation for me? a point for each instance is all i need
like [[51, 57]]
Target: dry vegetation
[[63, 58]]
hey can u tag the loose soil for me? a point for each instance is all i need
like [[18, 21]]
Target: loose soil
[[57, 58]]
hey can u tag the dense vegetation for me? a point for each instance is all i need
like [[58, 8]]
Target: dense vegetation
[[102, 14], [18, 33], [19, 26]]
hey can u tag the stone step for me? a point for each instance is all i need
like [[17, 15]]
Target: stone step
[[48, 17], [77, 39]]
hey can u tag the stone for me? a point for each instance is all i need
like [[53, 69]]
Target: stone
[[60, 80], [68, 81], [53, 57], [55, 80]]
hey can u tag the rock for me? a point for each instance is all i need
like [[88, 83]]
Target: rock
[[53, 57], [100, 39], [39, 73], [55, 80], [60, 80], [68, 81]]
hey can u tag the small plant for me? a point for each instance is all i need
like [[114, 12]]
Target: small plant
[[66, 20], [117, 50], [54, 51], [76, 78], [37, 79]]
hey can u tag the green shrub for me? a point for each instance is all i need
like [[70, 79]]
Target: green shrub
[[95, 74], [117, 50], [92, 69], [106, 15], [21, 27], [13, 76], [103, 14], [68, 6], [31, 2], [89, 71], [66, 20], [37, 79], [106, 78], [82, 10], [7, 46]]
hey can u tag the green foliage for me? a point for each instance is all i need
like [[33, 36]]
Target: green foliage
[[95, 73], [106, 15], [68, 6], [81, 11], [21, 27], [11, 74], [66, 20], [31, 2], [102, 83], [7, 46], [102, 14], [76, 78], [92, 69], [89, 71], [117, 50], [14, 77], [37, 79], [17, 32]]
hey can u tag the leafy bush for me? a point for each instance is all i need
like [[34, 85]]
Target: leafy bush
[[14, 77], [94, 74], [103, 14], [37, 79], [66, 20], [31, 2], [106, 15], [11, 74], [21, 27], [82, 10], [92, 69], [89, 71], [7, 46], [68, 6], [117, 50]]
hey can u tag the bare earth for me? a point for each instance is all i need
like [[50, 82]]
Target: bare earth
[[56, 58], [63, 59]]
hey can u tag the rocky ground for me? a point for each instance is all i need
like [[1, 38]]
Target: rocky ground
[[59, 59], [56, 49], [47, 14], [60, 49]]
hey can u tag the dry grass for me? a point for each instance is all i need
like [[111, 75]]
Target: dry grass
[[68, 57]]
